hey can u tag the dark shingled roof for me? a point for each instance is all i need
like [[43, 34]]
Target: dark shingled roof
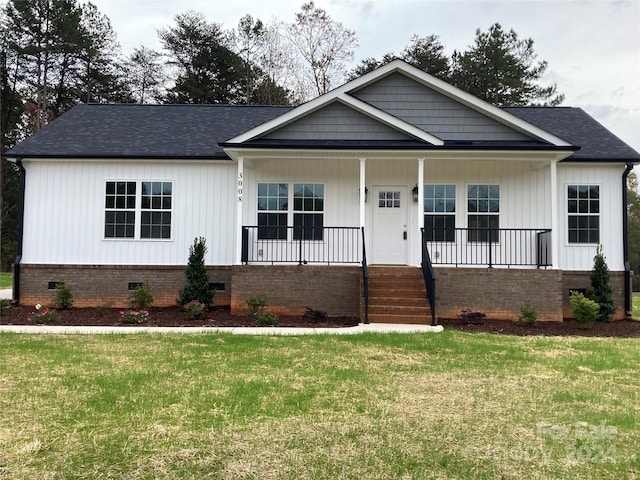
[[577, 127], [196, 132], [143, 131]]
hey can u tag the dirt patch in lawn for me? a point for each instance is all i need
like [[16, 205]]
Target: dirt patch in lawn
[[167, 317], [618, 328]]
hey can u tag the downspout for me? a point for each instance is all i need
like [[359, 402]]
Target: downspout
[[16, 265], [625, 242]]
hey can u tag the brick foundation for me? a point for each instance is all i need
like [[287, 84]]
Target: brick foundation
[[291, 288], [497, 292], [572, 280], [93, 285]]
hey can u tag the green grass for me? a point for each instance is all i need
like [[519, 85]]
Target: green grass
[[6, 280], [450, 405], [636, 305]]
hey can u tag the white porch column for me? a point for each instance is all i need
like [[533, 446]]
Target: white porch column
[[555, 232], [362, 190], [239, 199], [420, 193]]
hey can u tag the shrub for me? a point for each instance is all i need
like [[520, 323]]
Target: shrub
[[44, 315], [101, 310], [4, 304], [257, 311], [197, 287], [601, 291], [134, 317], [141, 297], [194, 309], [583, 309], [528, 314], [63, 298]]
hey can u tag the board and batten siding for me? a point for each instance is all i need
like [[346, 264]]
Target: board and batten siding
[[65, 212], [574, 256], [340, 179], [447, 119]]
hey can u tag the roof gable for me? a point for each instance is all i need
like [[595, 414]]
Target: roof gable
[[348, 94], [433, 112]]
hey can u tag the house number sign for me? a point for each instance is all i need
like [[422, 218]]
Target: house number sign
[[240, 184]]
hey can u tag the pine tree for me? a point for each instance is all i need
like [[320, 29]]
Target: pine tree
[[601, 291], [197, 287]]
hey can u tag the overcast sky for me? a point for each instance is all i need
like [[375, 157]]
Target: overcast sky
[[592, 47]]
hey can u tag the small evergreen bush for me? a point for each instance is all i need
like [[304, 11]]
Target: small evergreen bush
[[194, 309], [583, 309], [528, 314], [257, 311], [4, 304], [197, 287], [63, 298], [601, 291], [141, 297]]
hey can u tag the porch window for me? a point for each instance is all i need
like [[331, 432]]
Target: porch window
[[308, 208], [583, 207], [155, 215], [273, 203], [120, 210], [440, 213], [483, 213]]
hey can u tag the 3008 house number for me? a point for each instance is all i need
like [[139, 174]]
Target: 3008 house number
[[240, 184]]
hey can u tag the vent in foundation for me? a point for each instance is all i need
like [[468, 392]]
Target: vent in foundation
[[53, 285], [134, 285], [218, 286]]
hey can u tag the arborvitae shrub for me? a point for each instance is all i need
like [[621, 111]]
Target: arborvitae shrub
[[197, 287], [601, 291]]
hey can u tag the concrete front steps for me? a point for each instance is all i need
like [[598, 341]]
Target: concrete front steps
[[397, 295]]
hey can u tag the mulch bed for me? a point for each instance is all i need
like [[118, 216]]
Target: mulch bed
[[168, 317], [221, 317]]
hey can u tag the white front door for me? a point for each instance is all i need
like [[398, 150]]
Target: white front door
[[389, 236]]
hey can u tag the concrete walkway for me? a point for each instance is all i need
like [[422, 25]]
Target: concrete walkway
[[361, 328]]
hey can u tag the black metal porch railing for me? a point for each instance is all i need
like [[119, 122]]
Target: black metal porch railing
[[365, 280], [429, 278], [490, 247], [328, 245]]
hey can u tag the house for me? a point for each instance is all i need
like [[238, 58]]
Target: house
[[354, 203]]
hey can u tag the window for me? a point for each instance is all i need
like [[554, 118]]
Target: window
[[275, 214], [273, 203], [483, 209], [583, 207], [156, 210], [138, 210], [389, 199], [120, 210], [439, 210], [308, 208]]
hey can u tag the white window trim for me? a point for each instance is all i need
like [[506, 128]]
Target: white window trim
[[138, 211], [566, 214]]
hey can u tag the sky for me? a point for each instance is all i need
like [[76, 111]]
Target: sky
[[592, 47]]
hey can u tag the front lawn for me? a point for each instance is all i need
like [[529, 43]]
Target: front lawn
[[6, 280], [450, 405], [636, 305]]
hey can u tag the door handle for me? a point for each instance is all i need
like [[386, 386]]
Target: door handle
[[404, 235]]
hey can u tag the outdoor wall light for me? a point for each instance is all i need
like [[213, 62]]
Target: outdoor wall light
[[366, 194], [414, 190]]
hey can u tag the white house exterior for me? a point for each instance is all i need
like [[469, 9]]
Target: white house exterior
[[512, 201]]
